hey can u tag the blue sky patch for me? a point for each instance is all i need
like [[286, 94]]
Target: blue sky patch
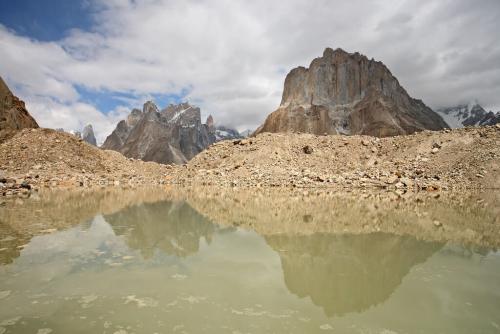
[[106, 101], [46, 20]]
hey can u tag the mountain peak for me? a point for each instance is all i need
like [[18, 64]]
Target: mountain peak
[[210, 121], [172, 135], [88, 135], [330, 53], [470, 114], [347, 93], [149, 106]]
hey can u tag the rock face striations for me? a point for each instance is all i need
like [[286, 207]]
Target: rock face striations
[[471, 114], [346, 93], [172, 135], [13, 113]]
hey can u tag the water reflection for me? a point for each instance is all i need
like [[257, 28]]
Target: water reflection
[[171, 227], [154, 266], [98, 276], [348, 273], [10, 241]]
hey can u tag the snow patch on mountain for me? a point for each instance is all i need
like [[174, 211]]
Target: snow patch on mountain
[[225, 133], [178, 114], [471, 114]]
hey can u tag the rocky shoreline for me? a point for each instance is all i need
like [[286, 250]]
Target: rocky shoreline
[[465, 218], [430, 161]]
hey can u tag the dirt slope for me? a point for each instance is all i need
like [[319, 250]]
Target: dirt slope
[[462, 158], [38, 157]]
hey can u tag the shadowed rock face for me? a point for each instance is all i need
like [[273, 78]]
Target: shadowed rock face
[[172, 135], [13, 113], [348, 94], [88, 135]]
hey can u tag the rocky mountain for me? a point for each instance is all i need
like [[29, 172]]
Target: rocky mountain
[[471, 114], [88, 135], [347, 93], [221, 132], [13, 113], [226, 133], [172, 135]]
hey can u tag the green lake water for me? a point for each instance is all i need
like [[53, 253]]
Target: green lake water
[[163, 267]]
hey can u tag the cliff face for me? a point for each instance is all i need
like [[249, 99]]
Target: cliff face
[[172, 135], [346, 93], [13, 113]]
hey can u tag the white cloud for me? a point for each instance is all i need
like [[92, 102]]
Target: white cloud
[[74, 116], [234, 55]]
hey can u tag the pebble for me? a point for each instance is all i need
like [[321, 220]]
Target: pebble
[[437, 223], [307, 149]]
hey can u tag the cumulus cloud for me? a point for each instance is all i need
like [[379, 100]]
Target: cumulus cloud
[[232, 56]]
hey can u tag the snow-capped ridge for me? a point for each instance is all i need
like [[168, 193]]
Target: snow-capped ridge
[[470, 114]]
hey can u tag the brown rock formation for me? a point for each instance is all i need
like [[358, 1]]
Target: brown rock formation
[[13, 113], [346, 93]]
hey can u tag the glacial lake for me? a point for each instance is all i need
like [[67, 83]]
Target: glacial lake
[[232, 262]]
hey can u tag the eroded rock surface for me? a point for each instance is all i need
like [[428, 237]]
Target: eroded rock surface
[[13, 113], [346, 93], [172, 135]]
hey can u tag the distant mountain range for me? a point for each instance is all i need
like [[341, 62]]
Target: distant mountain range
[[471, 114], [87, 134], [172, 135], [340, 93]]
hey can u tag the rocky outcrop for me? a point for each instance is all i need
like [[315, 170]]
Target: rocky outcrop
[[346, 93], [88, 135], [471, 114], [172, 135], [13, 113], [221, 132]]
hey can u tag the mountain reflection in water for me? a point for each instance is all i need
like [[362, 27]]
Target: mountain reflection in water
[[340, 273], [348, 273], [171, 227], [154, 266]]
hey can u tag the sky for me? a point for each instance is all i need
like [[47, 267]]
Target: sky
[[92, 61]]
